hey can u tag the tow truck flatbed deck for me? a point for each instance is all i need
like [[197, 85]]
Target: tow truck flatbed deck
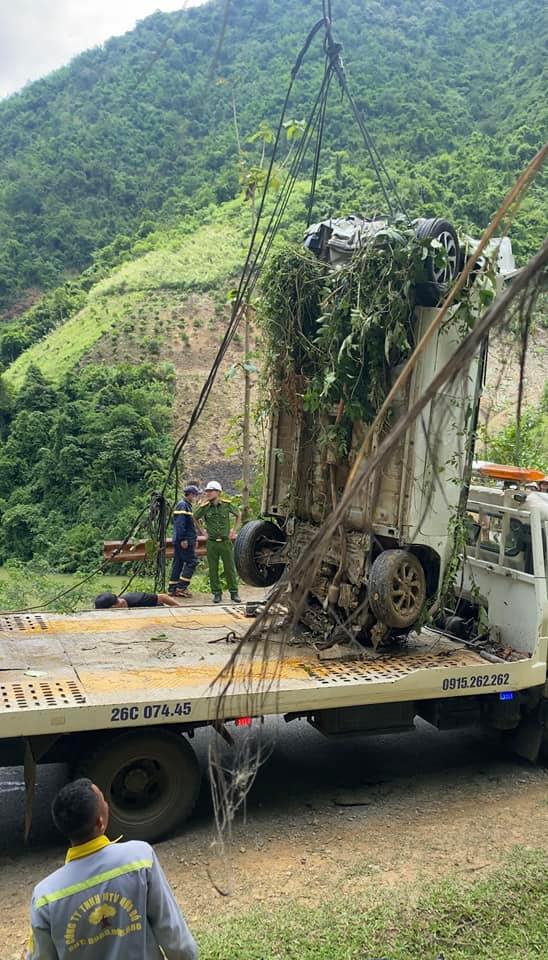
[[96, 670]]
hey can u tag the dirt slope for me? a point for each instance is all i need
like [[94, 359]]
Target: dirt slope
[[186, 331]]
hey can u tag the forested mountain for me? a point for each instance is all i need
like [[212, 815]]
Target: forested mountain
[[121, 198], [141, 129]]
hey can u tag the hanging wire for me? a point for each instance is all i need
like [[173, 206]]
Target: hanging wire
[[255, 258], [317, 152]]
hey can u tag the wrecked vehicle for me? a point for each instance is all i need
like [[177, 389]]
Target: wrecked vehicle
[[341, 320]]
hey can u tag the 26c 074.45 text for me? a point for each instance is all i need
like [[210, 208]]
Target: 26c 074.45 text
[[150, 711]]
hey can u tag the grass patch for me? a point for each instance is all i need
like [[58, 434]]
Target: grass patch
[[24, 586], [501, 917], [58, 353], [200, 261]]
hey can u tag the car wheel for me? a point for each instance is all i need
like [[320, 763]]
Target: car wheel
[[440, 271]]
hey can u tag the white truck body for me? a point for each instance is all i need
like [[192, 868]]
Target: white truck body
[[68, 682]]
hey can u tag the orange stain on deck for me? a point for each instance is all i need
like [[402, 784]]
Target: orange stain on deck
[[118, 623], [178, 678]]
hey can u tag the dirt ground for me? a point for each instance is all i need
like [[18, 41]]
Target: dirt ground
[[322, 817], [498, 405]]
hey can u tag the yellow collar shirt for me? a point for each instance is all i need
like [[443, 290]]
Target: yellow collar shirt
[[109, 901]]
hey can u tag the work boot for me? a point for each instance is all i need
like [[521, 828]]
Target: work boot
[[235, 598], [186, 594], [217, 597]]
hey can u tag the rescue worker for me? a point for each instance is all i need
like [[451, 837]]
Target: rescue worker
[[215, 516], [109, 900], [134, 598], [185, 560]]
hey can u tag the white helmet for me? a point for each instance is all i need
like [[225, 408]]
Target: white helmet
[[214, 485]]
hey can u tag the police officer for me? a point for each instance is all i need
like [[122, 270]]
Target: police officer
[[184, 545], [110, 901], [215, 516]]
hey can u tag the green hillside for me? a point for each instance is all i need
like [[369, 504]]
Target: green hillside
[[140, 130], [120, 195], [195, 261], [86, 412]]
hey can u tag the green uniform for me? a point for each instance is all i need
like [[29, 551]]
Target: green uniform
[[216, 519]]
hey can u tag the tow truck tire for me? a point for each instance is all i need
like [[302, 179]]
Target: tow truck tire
[[543, 754], [440, 277], [397, 588], [254, 538], [150, 779]]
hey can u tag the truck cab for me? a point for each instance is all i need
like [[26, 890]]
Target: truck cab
[[504, 570]]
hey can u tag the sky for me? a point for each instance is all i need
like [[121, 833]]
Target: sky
[[37, 36]]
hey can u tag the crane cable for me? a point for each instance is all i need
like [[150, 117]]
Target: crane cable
[[252, 265], [255, 259], [334, 50], [157, 510]]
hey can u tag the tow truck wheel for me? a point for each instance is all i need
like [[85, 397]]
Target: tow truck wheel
[[253, 549], [150, 779], [543, 755], [397, 588]]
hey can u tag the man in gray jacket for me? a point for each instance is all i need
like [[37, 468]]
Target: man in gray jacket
[[110, 900]]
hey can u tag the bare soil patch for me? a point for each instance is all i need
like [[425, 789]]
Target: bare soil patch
[[340, 818]]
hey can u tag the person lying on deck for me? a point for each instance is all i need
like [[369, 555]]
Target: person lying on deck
[[106, 601]]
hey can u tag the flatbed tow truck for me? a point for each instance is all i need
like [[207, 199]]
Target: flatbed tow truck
[[119, 696]]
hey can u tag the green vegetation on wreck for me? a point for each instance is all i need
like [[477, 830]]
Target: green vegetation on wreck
[[334, 336]]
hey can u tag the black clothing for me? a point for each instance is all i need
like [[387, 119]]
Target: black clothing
[[183, 566], [139, 599], [185, 560]]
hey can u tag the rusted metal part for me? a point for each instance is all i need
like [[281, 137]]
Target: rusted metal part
[[137, 550]]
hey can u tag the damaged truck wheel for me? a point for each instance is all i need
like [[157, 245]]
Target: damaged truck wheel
[[397, 588], [255, 550]]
